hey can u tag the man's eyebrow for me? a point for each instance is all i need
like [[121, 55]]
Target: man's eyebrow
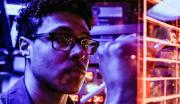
[[83, 34], [63, 28]]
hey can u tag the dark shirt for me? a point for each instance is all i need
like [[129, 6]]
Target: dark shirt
[[18, 94]]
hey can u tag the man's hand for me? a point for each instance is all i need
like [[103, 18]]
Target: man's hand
[[118, 66], [118, 60]]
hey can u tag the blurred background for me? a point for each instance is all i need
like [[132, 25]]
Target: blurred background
[[157, 21]]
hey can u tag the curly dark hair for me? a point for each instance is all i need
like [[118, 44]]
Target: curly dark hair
[[30, 17]]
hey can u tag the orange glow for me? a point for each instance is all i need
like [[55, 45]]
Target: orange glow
[[98, 99], [168, 86], [162, 23], [178, 37], [144, 52], [162, 60], [75, 98], [154, 1], [162, 42], [89, 76], [173, 37], [161, 98], [162, 78]]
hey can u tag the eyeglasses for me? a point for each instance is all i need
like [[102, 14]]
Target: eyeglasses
[[65, 42]]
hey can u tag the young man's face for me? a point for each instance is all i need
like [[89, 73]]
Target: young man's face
[[62, 71]]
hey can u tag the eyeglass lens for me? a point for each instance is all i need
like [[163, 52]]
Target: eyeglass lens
[[66, 43]]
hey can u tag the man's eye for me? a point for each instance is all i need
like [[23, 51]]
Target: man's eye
[[61, 43], [67, 41]]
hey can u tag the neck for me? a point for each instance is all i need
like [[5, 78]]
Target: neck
[[39, 93]]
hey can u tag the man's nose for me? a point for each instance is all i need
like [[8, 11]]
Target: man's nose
[[77, 52]]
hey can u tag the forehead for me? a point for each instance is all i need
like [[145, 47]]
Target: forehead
[[63, 21]]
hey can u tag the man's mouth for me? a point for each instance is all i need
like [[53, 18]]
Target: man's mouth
[[76, 68], [72, 76], [77, 75], [76, 71]]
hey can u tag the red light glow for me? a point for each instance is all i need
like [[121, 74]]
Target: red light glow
[[98, 99]]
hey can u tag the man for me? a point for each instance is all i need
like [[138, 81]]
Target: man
[[54, 38]]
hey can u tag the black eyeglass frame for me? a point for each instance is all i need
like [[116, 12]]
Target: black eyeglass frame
[[52, 36]]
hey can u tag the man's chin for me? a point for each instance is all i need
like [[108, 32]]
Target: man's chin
[[73, 91], [75, 88], [68, 86], [69, 90]]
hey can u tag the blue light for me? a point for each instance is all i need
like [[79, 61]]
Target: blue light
[[91, 87], [166, 10], [13, 9]]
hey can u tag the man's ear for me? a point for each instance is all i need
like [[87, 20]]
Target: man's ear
[[24, 46]]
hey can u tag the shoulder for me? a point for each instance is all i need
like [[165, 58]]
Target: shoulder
[[3, 97], [1, 101], [11, 93]]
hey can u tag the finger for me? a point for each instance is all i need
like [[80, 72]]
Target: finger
[[121, 36], [102, 49], [115, 48], [125, 37]]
